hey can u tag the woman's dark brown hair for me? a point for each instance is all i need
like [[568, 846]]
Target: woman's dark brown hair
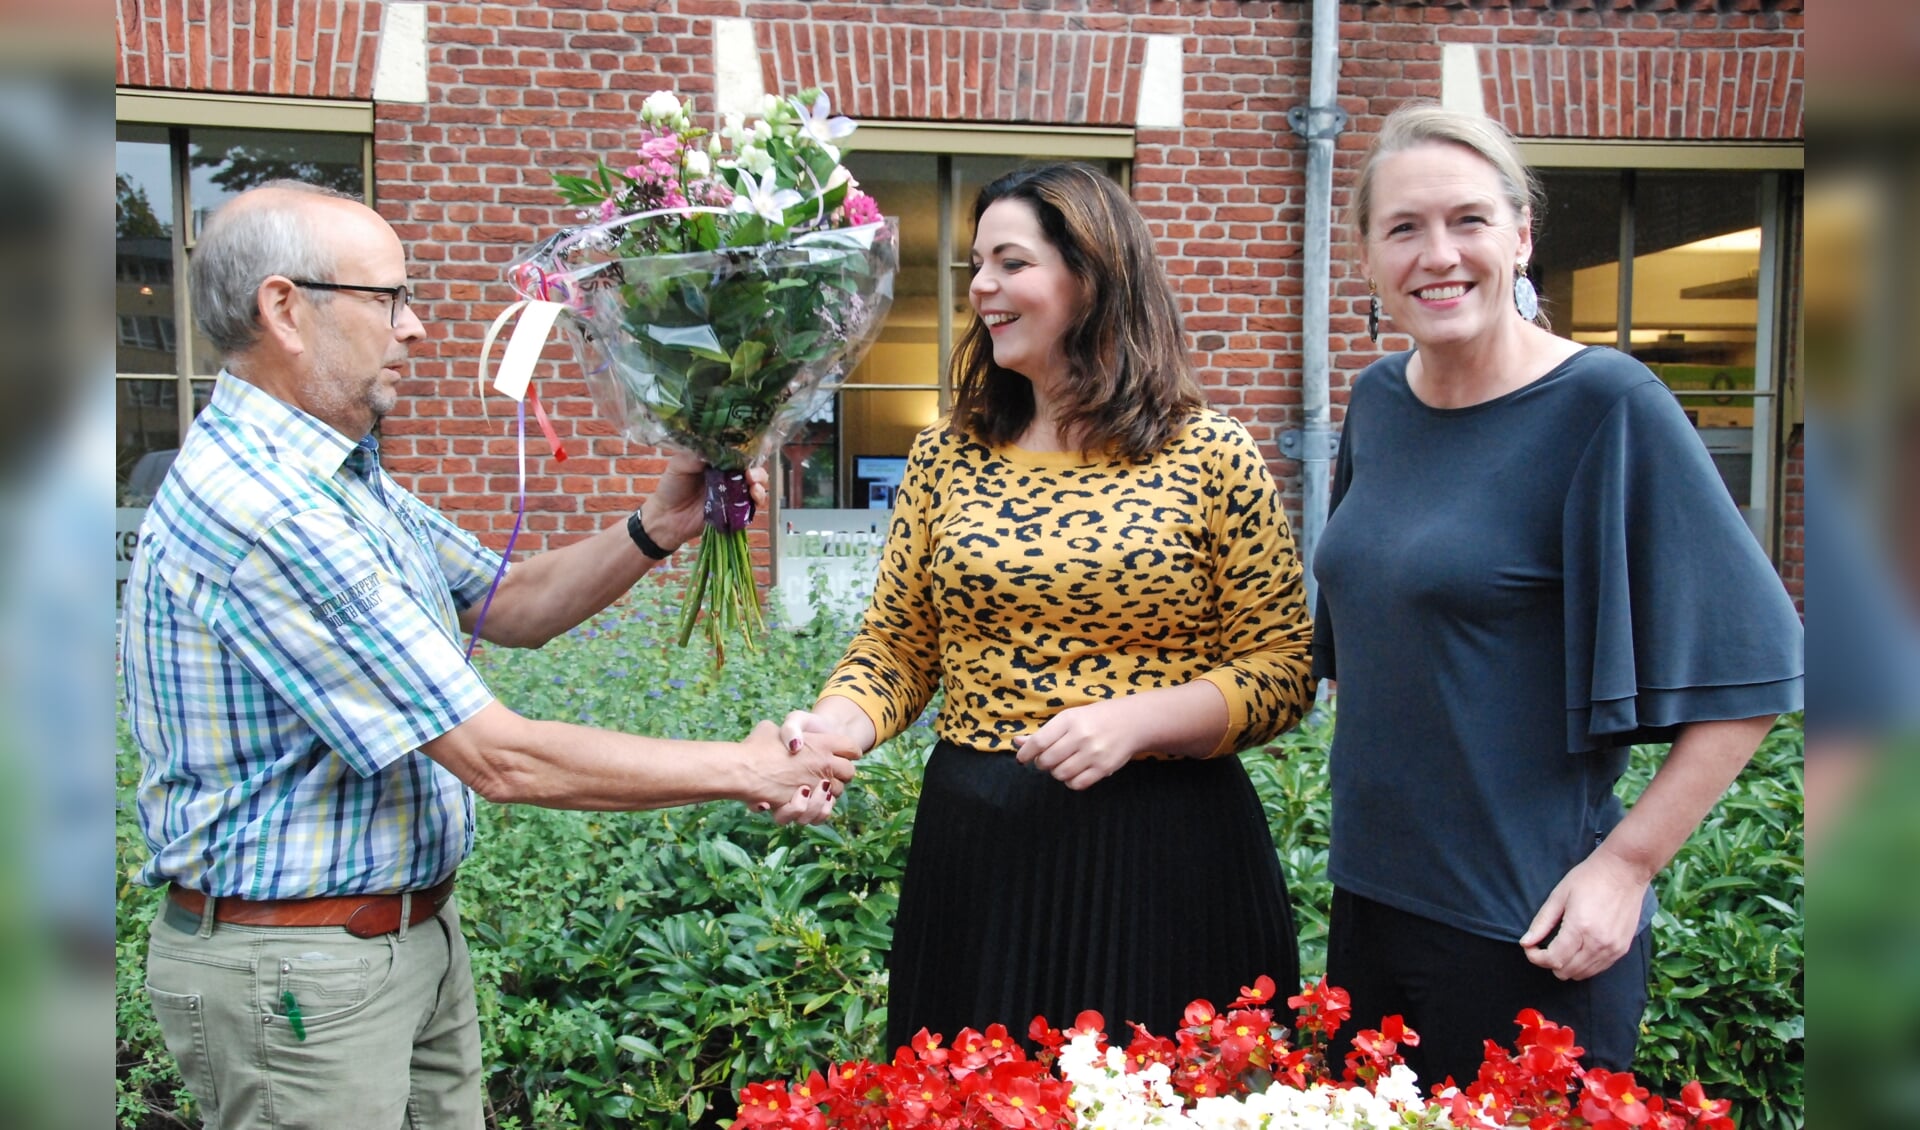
[[1130, 385]]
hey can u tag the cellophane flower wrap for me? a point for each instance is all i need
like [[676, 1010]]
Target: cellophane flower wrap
[[1223, 1068], [720, 289]]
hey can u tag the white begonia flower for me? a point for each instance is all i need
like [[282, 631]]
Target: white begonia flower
[[756, 160], [661, 107], [1224, 1114], [698, 165], [765, 199], [1399, 1085]]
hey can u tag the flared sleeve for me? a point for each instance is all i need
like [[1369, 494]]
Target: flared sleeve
[[1673, 613]]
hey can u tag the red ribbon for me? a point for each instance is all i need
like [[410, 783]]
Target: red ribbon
[[546, 428]]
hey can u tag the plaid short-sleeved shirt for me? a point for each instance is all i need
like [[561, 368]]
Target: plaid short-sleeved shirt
[[289, 639]]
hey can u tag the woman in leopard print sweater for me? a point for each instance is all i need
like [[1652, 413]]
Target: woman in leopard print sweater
[[1098, 570]]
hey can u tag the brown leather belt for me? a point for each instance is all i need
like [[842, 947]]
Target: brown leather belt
[[364, 916]]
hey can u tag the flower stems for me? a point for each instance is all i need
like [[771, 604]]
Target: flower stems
[[722, 583]]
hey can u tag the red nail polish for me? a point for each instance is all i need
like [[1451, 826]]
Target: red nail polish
[[793, 746]]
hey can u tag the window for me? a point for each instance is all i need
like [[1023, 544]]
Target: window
[[1682, 268], [838, 473], [176, 159], [150, 333]]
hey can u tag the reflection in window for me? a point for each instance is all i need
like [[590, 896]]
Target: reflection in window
[[143, 255], [147, 433], [146, 332], [227, 162]]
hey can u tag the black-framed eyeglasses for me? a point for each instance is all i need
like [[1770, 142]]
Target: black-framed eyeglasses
[[397, 296]]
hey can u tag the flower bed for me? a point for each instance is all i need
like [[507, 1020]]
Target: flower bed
[[1235, 1068]]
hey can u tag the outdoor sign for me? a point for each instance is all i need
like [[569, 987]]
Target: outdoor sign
[[825, 555], [126, 536]]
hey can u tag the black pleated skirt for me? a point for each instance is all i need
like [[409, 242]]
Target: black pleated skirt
[[1021, 897]]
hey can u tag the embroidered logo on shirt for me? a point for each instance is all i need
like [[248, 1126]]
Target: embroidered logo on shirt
[[350, 603]]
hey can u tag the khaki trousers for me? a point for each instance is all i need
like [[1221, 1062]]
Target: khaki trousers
[[388, 1034]]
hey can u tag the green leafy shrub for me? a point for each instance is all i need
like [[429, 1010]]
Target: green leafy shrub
[[1291, 779], [1725, 1002], [637, 968]]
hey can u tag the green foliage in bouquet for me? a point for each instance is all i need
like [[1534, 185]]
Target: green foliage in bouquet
[[736, 264]]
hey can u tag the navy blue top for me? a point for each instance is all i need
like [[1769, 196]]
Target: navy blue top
[[1515, 592]]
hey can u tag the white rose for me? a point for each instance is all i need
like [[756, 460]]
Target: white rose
[[762, 131], [660, 106], [697, 164]]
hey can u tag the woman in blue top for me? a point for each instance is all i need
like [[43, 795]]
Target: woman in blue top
[[1531, 565]]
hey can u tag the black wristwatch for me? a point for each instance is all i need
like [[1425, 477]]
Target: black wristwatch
[[647, 545]]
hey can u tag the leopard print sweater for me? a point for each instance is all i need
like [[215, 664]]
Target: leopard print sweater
[[1031, 582]]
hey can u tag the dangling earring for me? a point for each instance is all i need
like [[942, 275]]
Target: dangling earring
[[1373, 311], [1525, 298]]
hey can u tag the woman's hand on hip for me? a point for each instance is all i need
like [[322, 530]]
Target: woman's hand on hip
[[1591, 918]]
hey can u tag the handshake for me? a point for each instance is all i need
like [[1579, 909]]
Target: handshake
[[806, 762]]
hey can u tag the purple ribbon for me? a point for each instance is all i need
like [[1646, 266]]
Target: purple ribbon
[[519, 516], [729, 506]]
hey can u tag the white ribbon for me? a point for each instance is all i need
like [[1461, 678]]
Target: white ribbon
[[523, 348]]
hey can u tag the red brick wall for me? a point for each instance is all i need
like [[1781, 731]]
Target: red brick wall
[[965, 63], [296, 48], [1648, 79], [522, 87], [1793, 525]]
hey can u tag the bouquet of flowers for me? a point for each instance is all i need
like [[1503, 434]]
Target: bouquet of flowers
[[1221, 1069], [721, 288]]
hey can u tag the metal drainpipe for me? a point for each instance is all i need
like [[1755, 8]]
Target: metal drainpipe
[[1320, 122]]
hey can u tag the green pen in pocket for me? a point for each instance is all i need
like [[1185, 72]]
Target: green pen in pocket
[[294, 1019]]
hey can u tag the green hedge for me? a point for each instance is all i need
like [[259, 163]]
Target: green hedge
[[636, 969]]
